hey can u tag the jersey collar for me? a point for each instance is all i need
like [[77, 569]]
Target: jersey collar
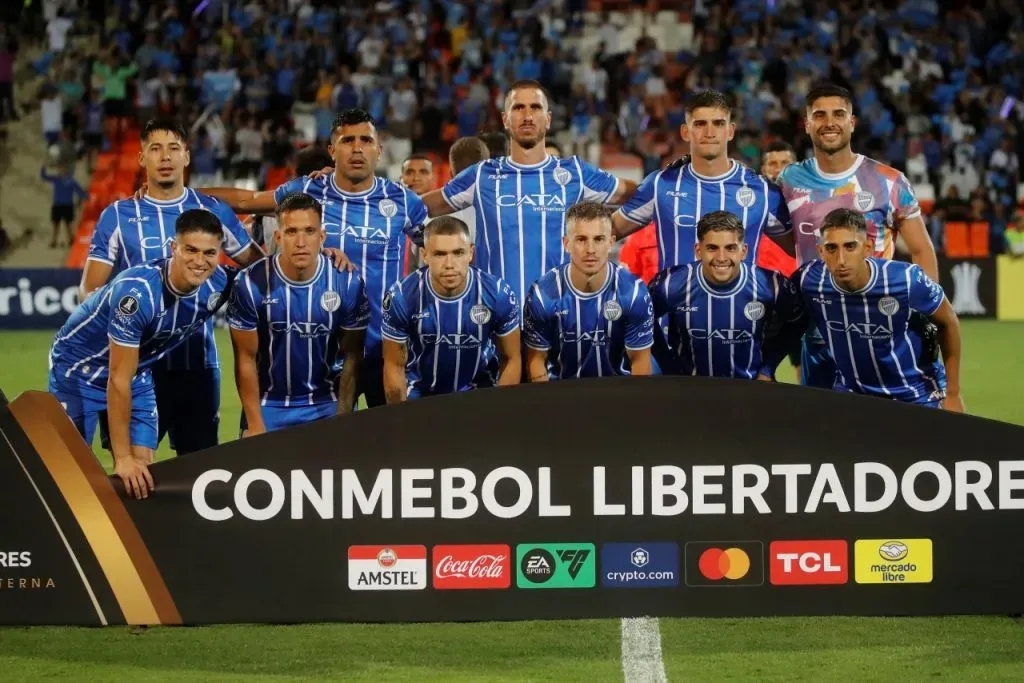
[[296, 283], [712, 290], [430, 286], [589, 295], [715, 178], [165, 275], [524, 167], [351, 195], [167, 202], [838, 176], [872, 266]]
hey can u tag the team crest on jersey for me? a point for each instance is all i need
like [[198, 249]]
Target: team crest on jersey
[[865, 200], [562, 176], [612, 310], [387, 208], [754, 311], [330, 301], [888, 305], [213, 301], [480, 314], [386, 303], [128, 305], [745, 197]]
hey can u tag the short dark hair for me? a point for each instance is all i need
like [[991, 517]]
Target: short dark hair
[[198, 220], [844, 218], [445, 225], [526, 84], [708, 98], [588, 211], [828, 90], [465, 152], [418, 157], [298, 201], [497, 143], [779, 146], [351, 117], [720, 221], [311, 158], [552, 143], [166, 124]]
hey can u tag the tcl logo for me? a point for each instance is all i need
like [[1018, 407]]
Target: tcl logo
[[472, 566], [794, 563]]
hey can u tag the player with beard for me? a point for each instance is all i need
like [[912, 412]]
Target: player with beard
[[365, 216], [678, 196], [837, 178], [138, 230], [520, 200]]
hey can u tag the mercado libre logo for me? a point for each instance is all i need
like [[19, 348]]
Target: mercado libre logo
[[724, 563]]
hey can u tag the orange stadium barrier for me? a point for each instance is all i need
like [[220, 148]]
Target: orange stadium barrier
[[967, 240]]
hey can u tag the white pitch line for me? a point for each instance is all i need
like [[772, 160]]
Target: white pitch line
[[641, 651]]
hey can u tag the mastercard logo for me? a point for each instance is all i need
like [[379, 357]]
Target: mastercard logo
[[730, 563]]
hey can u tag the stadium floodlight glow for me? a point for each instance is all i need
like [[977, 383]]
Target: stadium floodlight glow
[[661, 491]]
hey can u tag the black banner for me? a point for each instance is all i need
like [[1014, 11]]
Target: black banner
[[970, 285], [661, 496]]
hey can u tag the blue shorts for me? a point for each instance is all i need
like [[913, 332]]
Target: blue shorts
[[817, 369], [86, 405], [189, 406], [278, 417]]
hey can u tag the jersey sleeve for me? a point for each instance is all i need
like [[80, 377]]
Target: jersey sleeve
[[663, 348], [658, 294], [506, 310], [293, 185], [105, 245], [356, 311], [904, 202], [416, 218], [779, 222], [640, 319], [236, 239], [925, 294], [538, 328], [639, 208], [132, 309], [460, 190], [787, 324], [395, 315], [598, 185], [242, 313]]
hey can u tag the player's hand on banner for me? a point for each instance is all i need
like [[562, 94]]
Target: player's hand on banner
[[761, 377], [254, 431], [135, 476], [340, 260], [954, 404], [326, 170]]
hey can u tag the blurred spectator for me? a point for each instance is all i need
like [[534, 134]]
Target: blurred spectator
[[1015, 235], [66, 194], [57, 31], [51, 110], [249, 141], [8, 53]]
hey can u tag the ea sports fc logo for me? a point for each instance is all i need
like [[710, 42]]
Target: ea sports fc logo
[[717, 564]]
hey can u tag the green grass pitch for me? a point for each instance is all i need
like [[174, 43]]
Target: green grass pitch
[[812, 649]]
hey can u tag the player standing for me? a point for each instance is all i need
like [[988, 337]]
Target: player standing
[[520, 200], [101, 358], [836, 178], [720, 308], [365, 216], [294, 319], [441, 323], [134, 231], [679, 195], [775, 158], [589, 317], [864, 307], [417, 174]]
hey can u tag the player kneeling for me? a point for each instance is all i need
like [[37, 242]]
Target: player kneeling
[[590, 317], [725, 318], [101, 357], [443, 323], [874, 314], [297, 327]]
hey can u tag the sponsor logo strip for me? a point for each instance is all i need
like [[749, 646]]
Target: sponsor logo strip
[[640, 565], [724, 563], [387, 567], [556, 565], [801, 563], [893, 560], [472, 566]]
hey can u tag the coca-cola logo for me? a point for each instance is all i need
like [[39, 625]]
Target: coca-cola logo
[[472, 566]]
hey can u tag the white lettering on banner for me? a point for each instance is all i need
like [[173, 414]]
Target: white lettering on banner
[[662, 490], [46, 300]]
